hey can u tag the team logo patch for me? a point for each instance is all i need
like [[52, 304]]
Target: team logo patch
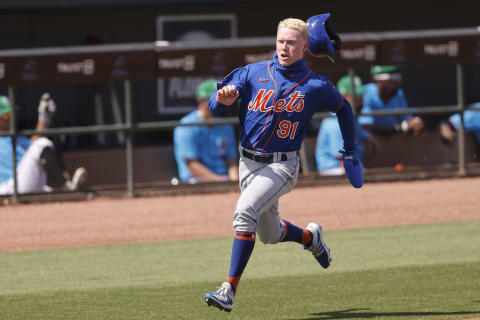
[[294, 103]]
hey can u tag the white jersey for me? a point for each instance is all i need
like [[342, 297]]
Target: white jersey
[[31, 177]]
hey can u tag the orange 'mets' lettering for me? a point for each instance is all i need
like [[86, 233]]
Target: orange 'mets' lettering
[[260, 100]]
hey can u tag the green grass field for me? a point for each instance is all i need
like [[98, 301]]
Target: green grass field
[[411, 272]]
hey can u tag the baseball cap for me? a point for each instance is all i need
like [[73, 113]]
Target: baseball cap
[[4, 105], [344, 85], [205, 89], [389, 72]]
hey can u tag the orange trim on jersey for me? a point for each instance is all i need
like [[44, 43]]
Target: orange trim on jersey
[[304, 78], [339, 106], [278, 120], [270, 111]]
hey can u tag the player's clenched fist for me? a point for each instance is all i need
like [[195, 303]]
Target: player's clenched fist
[[227, 95]]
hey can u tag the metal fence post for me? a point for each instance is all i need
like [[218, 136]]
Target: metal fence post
[[461, 132], [351, 75], [129, 138], [13, 132]]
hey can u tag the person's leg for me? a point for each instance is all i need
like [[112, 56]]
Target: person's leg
[[31, 177], [296, 234], [261, 195], [272, 229], [57, 177], [49, 162], [261, 187], [242, 248]]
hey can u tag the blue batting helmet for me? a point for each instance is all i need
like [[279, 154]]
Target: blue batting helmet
[[320, 37]]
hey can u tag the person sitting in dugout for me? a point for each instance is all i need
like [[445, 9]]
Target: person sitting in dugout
[[39, 167], [205, 153]]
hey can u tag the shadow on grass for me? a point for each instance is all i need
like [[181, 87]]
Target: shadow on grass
[[362, 313]]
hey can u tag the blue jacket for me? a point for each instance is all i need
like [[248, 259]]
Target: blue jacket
[[329, 142], [471, 120], [373, 102], [6, 170], [210, 145]]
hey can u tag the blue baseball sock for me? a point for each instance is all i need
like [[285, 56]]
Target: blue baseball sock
[[242, 248], [296, 234]]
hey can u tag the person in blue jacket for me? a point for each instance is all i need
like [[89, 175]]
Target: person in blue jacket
[[383, 94], [329, 139], [205, 153], [471, 123]]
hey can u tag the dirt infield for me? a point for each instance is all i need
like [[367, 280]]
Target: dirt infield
[[113, 221]]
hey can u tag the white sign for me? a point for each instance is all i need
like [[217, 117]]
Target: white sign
[[86, 67], [252, 58], [187, 63], [367, 53], [451, 49]]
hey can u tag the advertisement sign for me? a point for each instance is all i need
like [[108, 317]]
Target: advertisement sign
[[176, 84], [76, 68], [181, 71], [431, 51]]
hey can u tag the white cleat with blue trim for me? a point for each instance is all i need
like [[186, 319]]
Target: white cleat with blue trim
[[318, 248], [222, 298]]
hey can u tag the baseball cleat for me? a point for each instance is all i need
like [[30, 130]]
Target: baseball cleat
[[318, 248], [222, 298]]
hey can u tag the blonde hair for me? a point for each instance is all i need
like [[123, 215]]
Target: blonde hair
[[295, 24]]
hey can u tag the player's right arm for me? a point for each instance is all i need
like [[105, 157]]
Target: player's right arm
[[227, 95], [229, 90]]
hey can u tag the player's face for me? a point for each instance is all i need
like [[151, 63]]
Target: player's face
[[291, 46]]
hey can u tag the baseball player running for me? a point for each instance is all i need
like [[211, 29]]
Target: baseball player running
[[278, 99]]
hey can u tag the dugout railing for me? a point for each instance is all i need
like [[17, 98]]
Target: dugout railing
[[100, 64]]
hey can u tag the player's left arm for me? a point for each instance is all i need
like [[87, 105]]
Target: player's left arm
[[333, 100], [351, 163], [346, 120]]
